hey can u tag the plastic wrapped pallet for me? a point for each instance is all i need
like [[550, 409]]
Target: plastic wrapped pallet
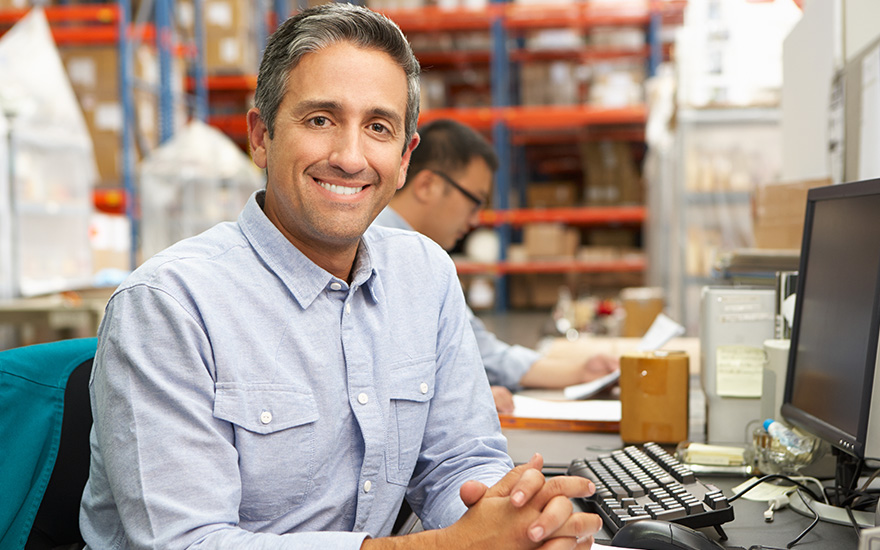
[[194, 181], [46, 187]]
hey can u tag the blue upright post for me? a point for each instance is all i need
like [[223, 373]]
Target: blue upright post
[[282, 11], [200, 78], [164, 39], [500, 81], [655, 55], [126, 99]]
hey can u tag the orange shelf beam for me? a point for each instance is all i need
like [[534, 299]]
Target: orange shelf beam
[[475, 57], [550, 266], [433, 18], [531, 118], [97, 13], [595, 215], [233, 83]]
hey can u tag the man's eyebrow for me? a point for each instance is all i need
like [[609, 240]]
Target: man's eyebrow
[[317, 105], [334, 106]]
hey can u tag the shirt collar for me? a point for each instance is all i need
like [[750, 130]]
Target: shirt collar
[[305, 279]]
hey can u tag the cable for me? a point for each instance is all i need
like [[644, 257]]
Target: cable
[[854, 523], [810, 527], [818, 484], [769, 477]]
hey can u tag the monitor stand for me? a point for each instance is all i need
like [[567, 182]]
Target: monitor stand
[[847, 475], [828, 513]]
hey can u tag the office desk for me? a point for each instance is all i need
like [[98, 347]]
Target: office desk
[[748, 527]]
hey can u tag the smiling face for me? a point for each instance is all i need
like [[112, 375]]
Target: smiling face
[[335, 159]]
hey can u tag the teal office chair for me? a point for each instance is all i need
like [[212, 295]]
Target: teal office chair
[[45, 419]]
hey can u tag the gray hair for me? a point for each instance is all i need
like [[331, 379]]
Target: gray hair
[[321, 26]]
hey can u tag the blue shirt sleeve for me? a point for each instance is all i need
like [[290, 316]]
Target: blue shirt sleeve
[[505, 364]]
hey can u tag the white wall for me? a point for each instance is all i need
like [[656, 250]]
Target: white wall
[[861, 19], [810, 55]]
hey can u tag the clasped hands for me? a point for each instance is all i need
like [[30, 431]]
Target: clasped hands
[[525, 510]]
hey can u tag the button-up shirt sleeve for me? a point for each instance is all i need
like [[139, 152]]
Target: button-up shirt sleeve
[[462, 399], [505, 364]]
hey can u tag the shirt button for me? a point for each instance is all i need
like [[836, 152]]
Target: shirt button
[[367, 486], [423, 387], [362, 398], [335, 286], [348, 307], [265, 417]]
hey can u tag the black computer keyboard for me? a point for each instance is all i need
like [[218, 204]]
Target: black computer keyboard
[[639, 483]]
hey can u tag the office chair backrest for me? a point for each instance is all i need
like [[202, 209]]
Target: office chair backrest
[[44, 415]]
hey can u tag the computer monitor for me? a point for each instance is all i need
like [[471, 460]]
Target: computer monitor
[[832, 390]]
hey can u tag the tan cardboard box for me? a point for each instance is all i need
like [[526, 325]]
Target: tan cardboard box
[[550, 240], [230, 40], [556, 194], [779, 214]]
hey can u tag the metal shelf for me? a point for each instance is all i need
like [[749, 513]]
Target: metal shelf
[[549, 266], [608, 215]]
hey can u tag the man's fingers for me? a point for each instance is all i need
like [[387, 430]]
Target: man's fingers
[[581, 525], [513, 480], [471, 492], [552, 518], [567, 486]]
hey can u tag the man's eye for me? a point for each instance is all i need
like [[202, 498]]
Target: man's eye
[[319, 121], [378, 128]]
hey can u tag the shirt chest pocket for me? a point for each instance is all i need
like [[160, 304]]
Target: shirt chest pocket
[[275, 438], [412, 388]]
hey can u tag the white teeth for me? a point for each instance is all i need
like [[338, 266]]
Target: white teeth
[[339, 189]]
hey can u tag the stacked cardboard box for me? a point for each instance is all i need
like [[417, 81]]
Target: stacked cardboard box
[[231, 45], [94, 74], [550, 241], [779, 214], [610, 173], [553, 194]]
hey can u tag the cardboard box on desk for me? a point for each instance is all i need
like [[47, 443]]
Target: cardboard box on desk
[[654, 397]]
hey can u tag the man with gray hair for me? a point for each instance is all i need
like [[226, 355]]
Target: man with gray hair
[[286, 380]]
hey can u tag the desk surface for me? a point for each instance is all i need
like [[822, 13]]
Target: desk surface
[[748, 527]]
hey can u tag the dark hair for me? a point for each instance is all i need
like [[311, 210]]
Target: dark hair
[[449, 146], [321, 26]]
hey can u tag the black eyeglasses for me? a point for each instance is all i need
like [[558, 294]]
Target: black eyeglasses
[[478, 202]]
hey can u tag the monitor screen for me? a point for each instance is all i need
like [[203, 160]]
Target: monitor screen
[[834, 334]]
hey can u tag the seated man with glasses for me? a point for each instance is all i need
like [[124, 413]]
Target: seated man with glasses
[[448, 183]]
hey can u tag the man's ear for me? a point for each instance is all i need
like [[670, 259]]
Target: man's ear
[[423, 186], [258, 137], [404, 161]]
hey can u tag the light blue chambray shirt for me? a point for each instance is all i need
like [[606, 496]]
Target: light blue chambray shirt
[[245, 398], [505, 364]]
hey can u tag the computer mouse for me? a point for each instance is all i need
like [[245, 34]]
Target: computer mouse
[[651, 534]]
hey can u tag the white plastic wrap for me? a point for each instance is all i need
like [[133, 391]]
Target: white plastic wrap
[[195, 180], [47, 188]]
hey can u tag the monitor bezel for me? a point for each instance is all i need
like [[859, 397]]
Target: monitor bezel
[[853, 444]]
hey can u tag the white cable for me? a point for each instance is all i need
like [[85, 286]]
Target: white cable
[[816, 481]]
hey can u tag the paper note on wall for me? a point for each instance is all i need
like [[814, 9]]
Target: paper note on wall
[[739, 371]]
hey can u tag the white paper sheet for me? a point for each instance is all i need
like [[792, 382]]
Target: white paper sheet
[[595, 410]]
